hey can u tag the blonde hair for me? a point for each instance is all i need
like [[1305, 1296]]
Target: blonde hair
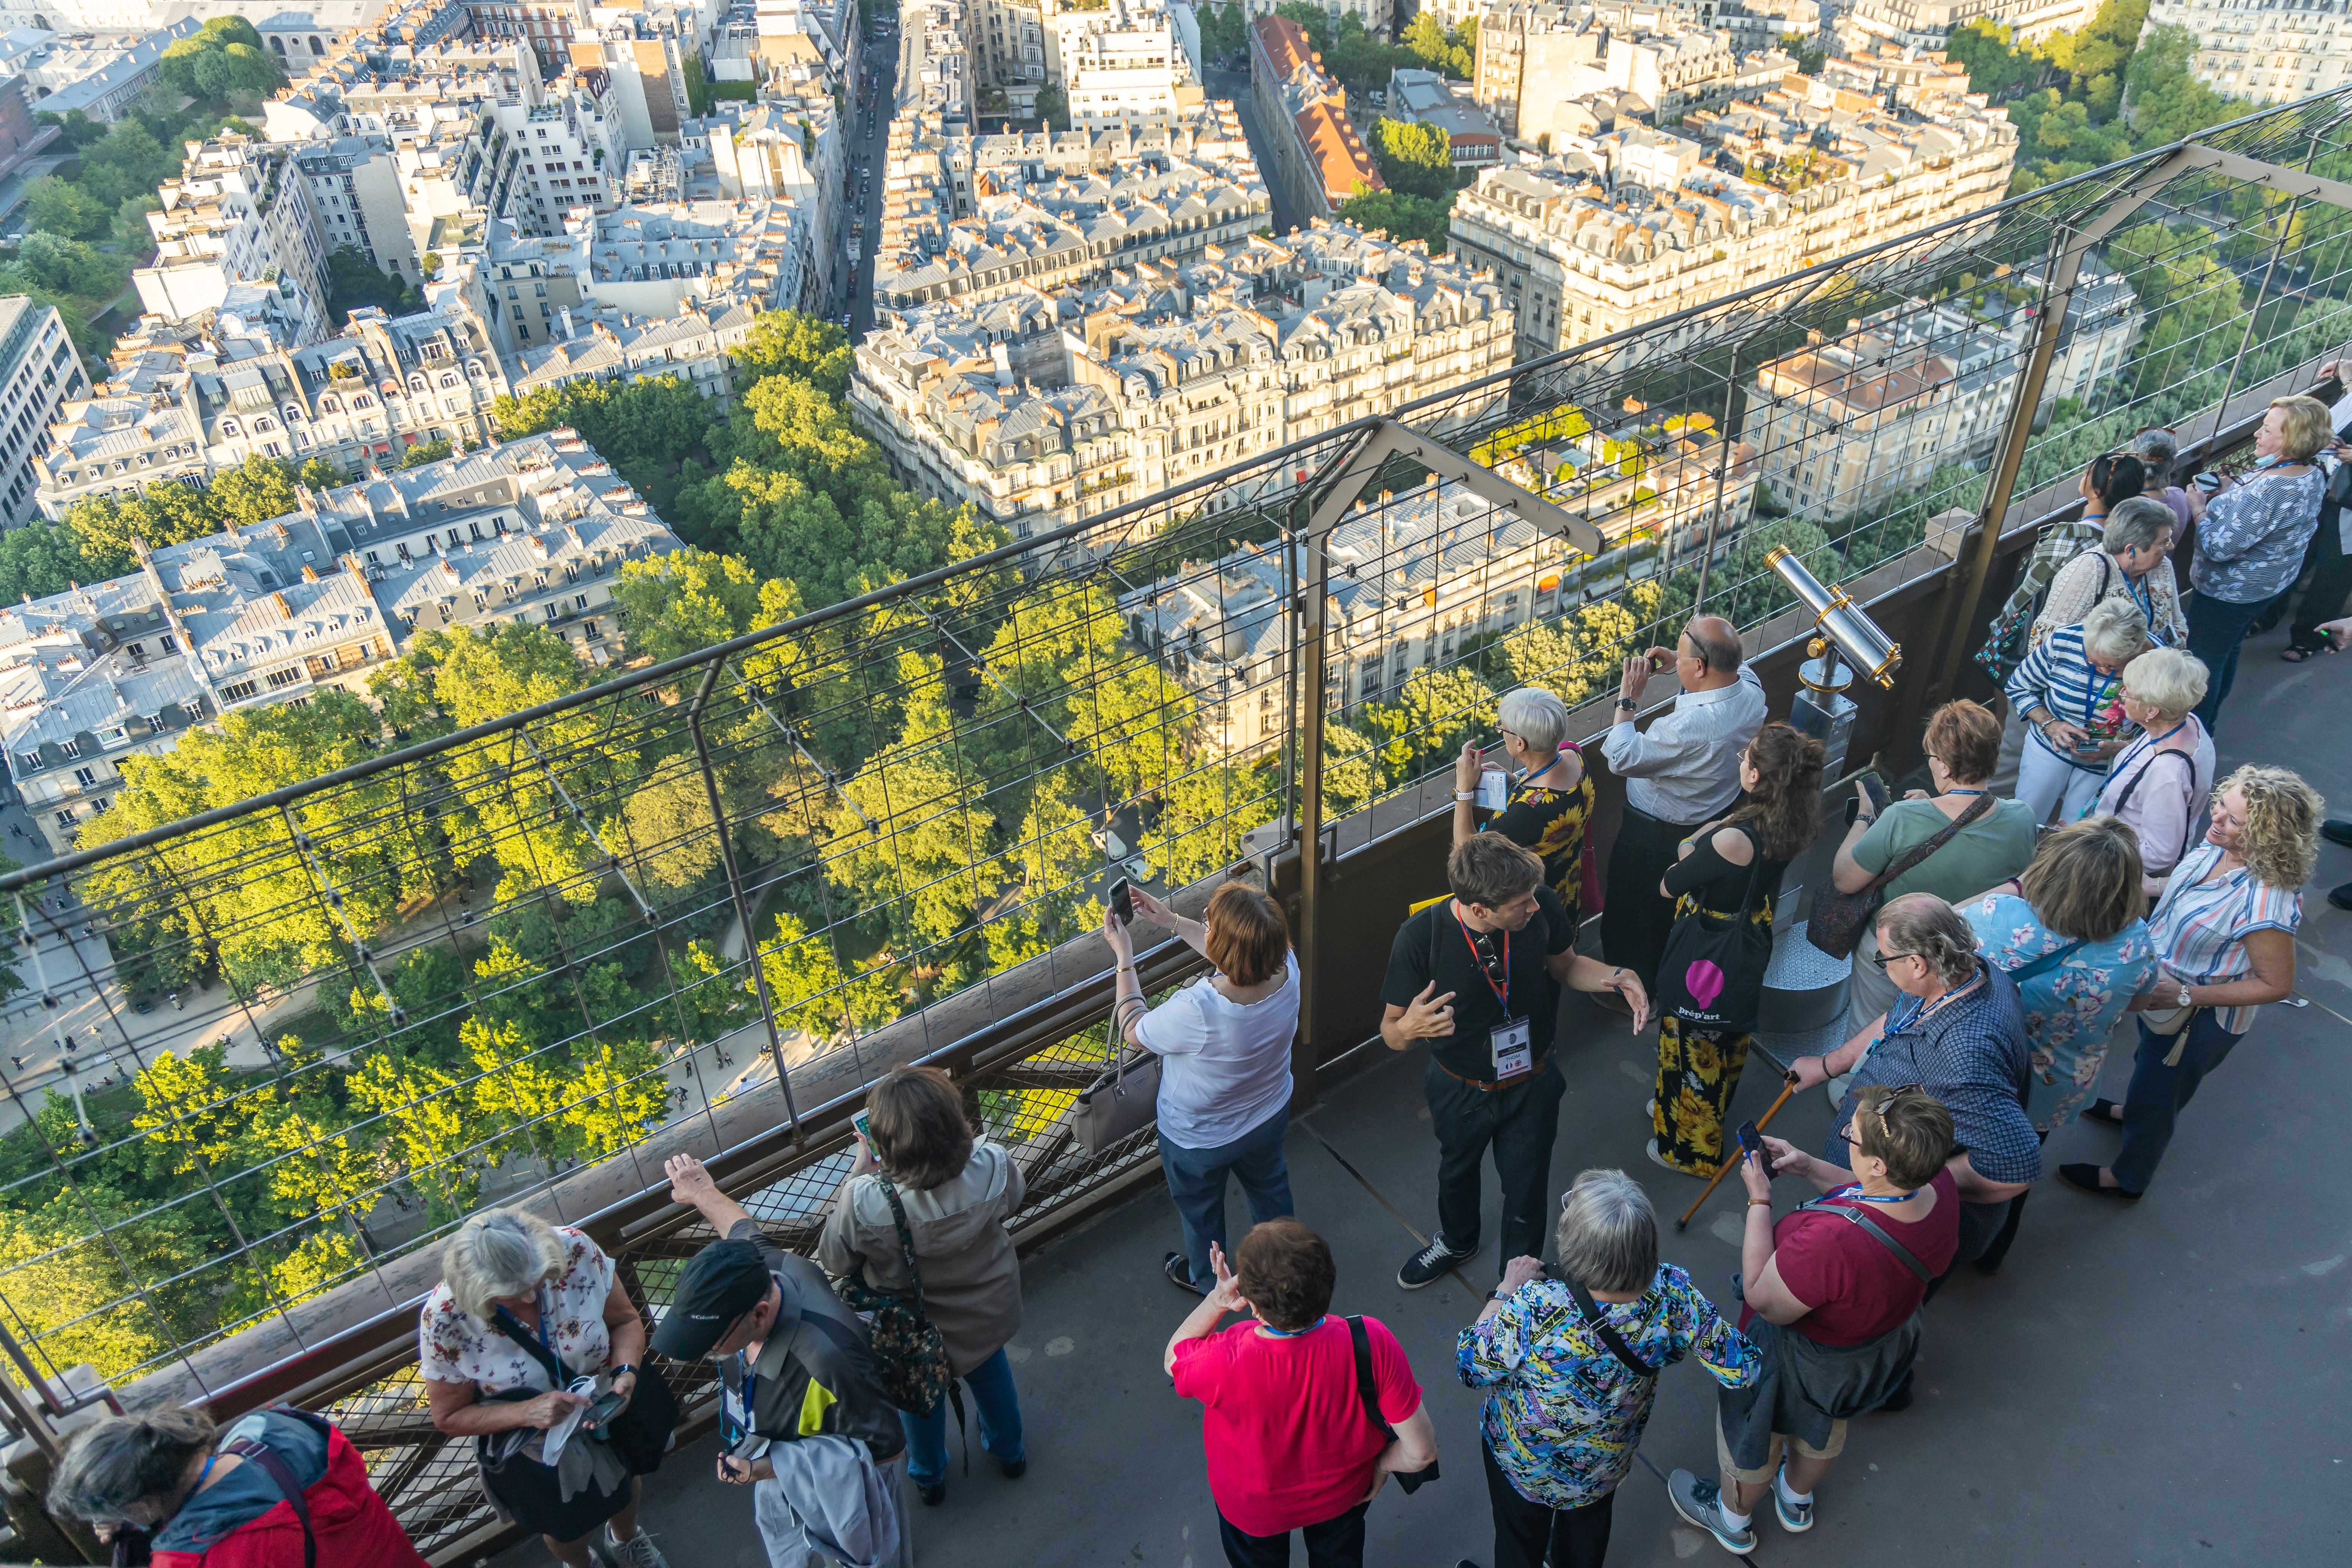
[[2173, 679], [2306, 429], [2115, 628], [498, 1253], [2281, 841], [2086, 881]]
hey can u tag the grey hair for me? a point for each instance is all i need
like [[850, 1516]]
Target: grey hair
[[1535, 716], [500, 1252], [2156, 448], [1925, 925], [2173, 679], [2115, 629], [1608, 1233], [2136, 523], [120, 1459]]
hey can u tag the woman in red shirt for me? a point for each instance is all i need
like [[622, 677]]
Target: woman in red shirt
[[1289, 1442], [1833, 1295]]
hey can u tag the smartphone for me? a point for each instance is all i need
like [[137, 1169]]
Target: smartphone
[[1872, 787], [2208, 482], [1657, 664], [864, 1122], [1752, 1142], [603, 1410], [1122, 902]]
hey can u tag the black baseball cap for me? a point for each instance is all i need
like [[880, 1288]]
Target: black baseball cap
[[722, 1282]]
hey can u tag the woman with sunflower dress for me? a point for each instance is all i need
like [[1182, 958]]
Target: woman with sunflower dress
[[1550, 805], [1698, 1069]]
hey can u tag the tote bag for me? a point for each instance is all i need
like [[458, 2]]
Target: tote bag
[[1712, 976]]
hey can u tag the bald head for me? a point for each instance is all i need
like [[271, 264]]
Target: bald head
[[1713, 643]]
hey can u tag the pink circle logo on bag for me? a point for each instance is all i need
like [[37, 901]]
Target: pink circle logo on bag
[[1703, 981]]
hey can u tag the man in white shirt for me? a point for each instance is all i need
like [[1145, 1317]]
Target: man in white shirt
[[1680, 773]]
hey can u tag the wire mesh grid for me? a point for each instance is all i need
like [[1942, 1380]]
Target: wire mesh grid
[[718, 893]]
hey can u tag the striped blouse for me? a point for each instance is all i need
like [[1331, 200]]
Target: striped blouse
[[2058, 674], [2200, 927]]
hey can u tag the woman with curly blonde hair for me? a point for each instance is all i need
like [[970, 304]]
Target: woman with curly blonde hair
[[2225, 934]]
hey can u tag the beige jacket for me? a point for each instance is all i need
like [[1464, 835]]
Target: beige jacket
[[972, 1280]]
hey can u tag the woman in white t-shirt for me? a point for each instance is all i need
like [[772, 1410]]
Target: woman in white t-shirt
[[1223, 1044]]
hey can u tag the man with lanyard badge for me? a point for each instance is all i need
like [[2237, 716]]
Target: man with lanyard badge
[[795, 1363], [1477, 977]]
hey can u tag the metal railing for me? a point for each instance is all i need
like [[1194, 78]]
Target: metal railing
[[698, 905]]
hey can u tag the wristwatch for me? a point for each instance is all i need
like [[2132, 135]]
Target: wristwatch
[[626, 1366], [1627, 704], [2184, 995]]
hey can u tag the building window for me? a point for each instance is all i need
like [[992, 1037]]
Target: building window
[[65, 819], [240, 690]]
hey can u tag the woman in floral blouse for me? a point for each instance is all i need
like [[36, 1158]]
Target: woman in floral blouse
[[1564, 1412]]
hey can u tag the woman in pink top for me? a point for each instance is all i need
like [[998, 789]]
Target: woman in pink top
[[1289, 1442]]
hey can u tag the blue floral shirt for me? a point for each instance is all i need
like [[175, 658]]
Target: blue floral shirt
[[2250, 540], [2072, 1007], [1563, 1414]]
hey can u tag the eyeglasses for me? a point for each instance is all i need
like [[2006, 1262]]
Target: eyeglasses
[[1883, 959], [1490, 957]]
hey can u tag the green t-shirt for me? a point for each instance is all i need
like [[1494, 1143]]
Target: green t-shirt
[[1993, 849]]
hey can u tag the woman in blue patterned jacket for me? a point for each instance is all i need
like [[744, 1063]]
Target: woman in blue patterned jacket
[[1565, 1408]]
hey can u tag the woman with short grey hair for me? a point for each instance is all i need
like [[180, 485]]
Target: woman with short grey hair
[[2069, 690], [517, 1296], [2159, 784], [1564, 1408], [2133, 564], [189, 1494], [1549, 807]]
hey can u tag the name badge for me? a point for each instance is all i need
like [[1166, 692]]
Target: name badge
[[732, 1407], [1514, 1047]]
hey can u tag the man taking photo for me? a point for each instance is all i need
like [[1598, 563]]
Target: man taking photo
[[1477, 977]]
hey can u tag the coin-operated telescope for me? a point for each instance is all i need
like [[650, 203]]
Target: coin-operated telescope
[[1823, 709]]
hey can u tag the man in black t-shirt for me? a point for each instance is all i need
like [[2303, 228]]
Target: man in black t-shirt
[[1477, 975]]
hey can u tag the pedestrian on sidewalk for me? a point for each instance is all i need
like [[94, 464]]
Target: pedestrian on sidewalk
[[1477, 977], [1288, 1441]]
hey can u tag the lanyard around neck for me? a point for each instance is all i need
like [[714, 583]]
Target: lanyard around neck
[[1503, 992], [1854, 1192]]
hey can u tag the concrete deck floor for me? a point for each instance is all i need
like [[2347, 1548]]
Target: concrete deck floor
[[2163, 1383]]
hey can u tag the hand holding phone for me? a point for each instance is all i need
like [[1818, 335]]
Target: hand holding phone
[[1752, 1142], [605, 1409], [1122, 902]]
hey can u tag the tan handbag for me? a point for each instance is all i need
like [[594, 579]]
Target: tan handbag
[[2172, 1022]]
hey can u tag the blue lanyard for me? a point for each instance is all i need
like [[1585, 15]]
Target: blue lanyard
[[1858, 1195], [1964, 791], [1271, 1332], [750, 1390]]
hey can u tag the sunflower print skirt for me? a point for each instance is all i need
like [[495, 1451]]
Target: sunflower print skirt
[[1698, 1072]]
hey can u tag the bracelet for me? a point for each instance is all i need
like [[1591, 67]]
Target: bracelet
[[1766, 1202], [1866, 821], [1466, 794]]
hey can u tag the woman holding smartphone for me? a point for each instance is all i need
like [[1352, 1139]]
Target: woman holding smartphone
[[2070, 690], [1223, 1044]]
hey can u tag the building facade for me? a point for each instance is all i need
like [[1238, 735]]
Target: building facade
[[1319, 161], [2273, 51], [39, 373]]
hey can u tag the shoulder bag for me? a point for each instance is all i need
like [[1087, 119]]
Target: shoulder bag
[[1836, 921], [1410, 1481], [1848, 1212], [910, 1359], [1590, 1311], [2011, 635], [1120, 1103], [1712, 976], [639, 1435], [2041, 965]]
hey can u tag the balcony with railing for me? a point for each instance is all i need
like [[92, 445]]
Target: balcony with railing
[[699, 906]]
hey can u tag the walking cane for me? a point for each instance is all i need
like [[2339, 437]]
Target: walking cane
[[1788, 1088]]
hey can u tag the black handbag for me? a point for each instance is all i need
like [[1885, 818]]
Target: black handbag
[[1712, 976], [1410, 1481], [639, 1435]]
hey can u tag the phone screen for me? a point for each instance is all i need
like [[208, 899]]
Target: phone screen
[[863, 1122], [1122, 902], [603, 1410], [1752, 1142]]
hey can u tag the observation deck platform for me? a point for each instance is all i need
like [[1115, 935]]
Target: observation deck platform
[[2160, 1384]]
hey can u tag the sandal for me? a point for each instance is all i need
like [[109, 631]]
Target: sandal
[[2306, 655]]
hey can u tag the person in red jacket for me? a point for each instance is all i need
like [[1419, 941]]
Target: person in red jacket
[[228, 1499]]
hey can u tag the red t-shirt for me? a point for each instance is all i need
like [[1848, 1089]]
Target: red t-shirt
[[1858, 1288], [1288, 1440]]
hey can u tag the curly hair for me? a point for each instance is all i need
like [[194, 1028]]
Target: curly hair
[[2281, 841], [1786, 804]]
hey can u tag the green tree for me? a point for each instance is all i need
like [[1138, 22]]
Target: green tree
[[256, 492], [1053, 108], [787, 342], [1402, 216], [1204, 817], [1416, 159], [352, 281], [685, 601], [41, 559], [62, 209], [810, 991], [922, 869]]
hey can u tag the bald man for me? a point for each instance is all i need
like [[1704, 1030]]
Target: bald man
[[1680, 773]]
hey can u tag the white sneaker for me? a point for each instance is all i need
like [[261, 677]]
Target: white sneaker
[[637, 1551]]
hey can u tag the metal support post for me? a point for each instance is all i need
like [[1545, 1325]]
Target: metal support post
[[1722, 481]]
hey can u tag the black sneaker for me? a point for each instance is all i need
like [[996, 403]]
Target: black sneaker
[[1431, 1263], [1179, 1273]]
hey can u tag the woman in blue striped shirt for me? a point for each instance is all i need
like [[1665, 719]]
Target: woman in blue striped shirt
[[2225, 934], [2070, 689]]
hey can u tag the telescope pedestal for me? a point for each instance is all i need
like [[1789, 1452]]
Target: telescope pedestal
[[1823, 709]]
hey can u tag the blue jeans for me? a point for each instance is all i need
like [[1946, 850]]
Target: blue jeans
[[1196, 1182], [2152, 1105], [2217, 629], [999, 1408]]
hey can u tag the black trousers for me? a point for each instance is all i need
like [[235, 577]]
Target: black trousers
[[1636, 917], [1334, 1543], [1521, 1122], [1529, 1535], [2331, 579]]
